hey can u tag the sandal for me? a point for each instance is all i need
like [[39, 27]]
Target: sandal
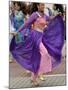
[[35, 83], [41, 77]]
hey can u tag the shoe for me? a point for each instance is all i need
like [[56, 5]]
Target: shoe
[[41, 77], [35, 83]]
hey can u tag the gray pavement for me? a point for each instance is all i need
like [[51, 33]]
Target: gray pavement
[[18, 78]]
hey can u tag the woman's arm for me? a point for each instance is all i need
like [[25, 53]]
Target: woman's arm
[[28, 23]]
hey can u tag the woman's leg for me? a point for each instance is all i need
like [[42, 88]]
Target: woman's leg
[[45, 63], [34, 79]]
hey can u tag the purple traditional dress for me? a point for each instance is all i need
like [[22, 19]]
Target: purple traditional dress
[[41, 51]]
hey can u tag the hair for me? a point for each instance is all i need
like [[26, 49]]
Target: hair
[[18, 3], [29, 9], [33, 7], [22, 6], [59, 8]]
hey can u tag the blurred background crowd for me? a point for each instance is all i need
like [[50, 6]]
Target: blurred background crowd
[[19, 12]]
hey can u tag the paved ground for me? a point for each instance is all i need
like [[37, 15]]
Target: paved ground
[[20, 79]]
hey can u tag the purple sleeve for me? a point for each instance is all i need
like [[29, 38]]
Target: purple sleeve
[[47, 18], [28, 23]]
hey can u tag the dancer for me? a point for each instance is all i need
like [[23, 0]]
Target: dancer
[[42, 47]]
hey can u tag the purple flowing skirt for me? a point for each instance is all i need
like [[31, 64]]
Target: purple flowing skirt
[[27, 53]]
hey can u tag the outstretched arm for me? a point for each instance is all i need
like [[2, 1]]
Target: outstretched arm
[[28, 23]]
